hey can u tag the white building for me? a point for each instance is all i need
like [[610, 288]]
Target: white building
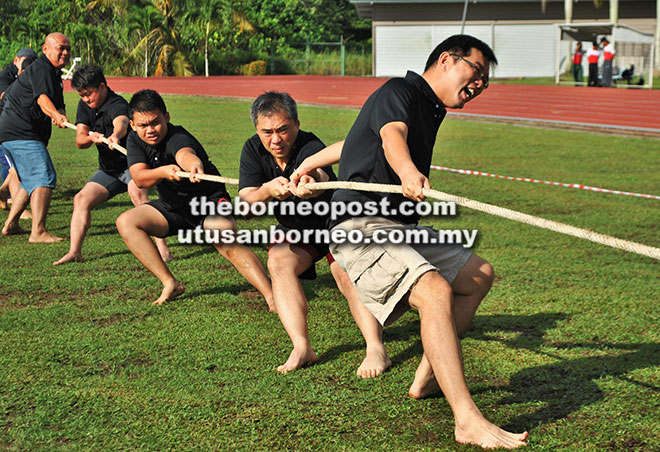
[[523, 36]]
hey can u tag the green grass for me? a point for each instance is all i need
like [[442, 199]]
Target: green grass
[[566, 345]]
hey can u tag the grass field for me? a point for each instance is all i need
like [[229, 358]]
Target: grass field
[[566, 345]]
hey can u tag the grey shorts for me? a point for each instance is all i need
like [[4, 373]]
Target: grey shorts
[[114, 184], [384, 273]]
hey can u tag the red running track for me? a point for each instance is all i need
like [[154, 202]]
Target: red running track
[[608, 109]]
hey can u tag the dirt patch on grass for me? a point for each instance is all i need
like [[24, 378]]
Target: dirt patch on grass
[[115, 318], [250, 294], [35, 300], [628, 445]]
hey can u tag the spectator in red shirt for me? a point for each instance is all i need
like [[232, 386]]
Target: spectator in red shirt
[[608, 55], [576, 66], [593, 54]]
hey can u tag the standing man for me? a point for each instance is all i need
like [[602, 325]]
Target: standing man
[[157, 150], [268, 160], [392, 142], [10, 183], [576, 65], [608, 56], [593, 55], [106, 114], [31, 106]]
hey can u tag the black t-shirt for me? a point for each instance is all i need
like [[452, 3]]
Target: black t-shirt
[[258, 166], [111, 161], [411, 101], [7, 76], [176, 194], [22, 118]]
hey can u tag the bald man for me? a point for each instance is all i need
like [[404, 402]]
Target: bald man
[[30, 107]]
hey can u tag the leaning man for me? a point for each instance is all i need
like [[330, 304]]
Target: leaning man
[[25, 128]]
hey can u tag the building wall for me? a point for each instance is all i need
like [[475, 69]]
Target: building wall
[[523, 38], [517, 11]]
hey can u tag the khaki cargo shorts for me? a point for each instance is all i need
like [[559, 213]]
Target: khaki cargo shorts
[[384, 273]]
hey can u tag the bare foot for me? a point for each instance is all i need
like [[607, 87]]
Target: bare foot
[[425, 383], [45, 237], [297, 360], [478, 430], [374, 364], [170, 291], [13, 230], [69, 257], [26, 215]]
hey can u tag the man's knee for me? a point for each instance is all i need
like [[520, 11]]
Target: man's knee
[[431, 289], [82, 200], [282, 260], [124, 223]]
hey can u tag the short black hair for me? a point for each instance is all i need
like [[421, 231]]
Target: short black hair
[[87, 76], [28, 61], [461, 45], [146, 100], [272, 102]]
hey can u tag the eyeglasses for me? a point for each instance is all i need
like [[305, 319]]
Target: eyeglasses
[[482, 76]]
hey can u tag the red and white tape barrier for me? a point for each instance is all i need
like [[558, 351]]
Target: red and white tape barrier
[[546, 182]]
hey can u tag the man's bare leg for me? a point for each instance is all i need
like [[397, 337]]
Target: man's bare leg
[[140, 196], [11, 186], [376, 361], [21, 201], [135, 226], [285, 263], [470, 287], [90, 196], [243, 259], [432, 297], [4, 192], [40, 203]]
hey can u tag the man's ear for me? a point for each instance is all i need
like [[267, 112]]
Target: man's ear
[[167, 116], [130, 121], [443, 59]]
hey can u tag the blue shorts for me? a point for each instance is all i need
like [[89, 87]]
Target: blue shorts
[[114, 184], [32, 163], [4, 162]]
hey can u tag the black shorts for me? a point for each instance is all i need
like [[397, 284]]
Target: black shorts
[[316, 250], [181, 218]]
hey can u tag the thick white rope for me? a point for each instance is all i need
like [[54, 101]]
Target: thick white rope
[[104, 139], [555, 226]]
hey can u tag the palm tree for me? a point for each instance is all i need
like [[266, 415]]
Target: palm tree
[[82, 35], [212, 15], [145, 20], [172, 59]]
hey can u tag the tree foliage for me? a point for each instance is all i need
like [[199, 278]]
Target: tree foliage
[[176, 37]]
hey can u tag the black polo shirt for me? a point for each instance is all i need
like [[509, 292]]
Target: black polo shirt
[[409, 100], [7, 76], [258, 166], [100, 120], [22, 118], [176, 194]]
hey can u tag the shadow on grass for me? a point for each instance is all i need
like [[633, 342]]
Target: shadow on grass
[[563, 387]]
